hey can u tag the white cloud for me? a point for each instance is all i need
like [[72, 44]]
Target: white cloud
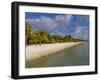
[[58, 33], [63, 19], [59, 23], [45, 23], [78, 30], [81, 32], [32, 21]]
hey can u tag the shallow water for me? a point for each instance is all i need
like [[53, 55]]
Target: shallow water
[[76, 55]]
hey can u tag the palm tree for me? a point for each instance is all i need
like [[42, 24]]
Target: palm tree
[[29, 33]]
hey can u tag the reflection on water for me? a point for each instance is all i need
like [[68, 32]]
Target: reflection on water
[[77, 55]]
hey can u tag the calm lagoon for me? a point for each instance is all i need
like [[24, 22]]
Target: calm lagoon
[[74, 56]]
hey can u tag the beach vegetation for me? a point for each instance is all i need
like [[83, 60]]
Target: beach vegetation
[[43, 37]]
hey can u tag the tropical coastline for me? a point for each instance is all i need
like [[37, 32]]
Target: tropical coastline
[[54, 39], [36, 51]]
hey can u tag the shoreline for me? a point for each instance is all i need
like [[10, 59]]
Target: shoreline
[[36, 51]]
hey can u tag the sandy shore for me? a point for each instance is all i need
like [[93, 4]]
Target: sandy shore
[[36, 51]]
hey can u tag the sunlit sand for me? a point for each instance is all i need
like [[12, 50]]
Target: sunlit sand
[[37, 51]]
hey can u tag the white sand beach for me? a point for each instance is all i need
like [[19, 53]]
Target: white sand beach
[[37, 51]]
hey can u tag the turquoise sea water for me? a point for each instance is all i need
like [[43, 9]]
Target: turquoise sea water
[[74, 56]]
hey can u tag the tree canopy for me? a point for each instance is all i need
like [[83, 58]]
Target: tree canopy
[[41, 37]]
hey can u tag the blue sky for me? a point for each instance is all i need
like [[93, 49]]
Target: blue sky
[[60, 24]]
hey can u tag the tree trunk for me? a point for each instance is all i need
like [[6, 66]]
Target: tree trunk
[[27, 41]]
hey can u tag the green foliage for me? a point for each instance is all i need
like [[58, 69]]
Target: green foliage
[[68, 38], [41, 37], [29, 33]]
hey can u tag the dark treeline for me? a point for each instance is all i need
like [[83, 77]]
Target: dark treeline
[[42, 37]]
